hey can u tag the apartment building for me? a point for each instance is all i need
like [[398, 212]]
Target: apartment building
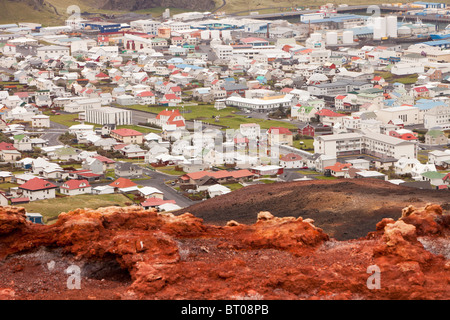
[[370, 143]]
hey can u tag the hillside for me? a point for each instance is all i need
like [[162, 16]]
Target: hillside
[[344, 209], [53, 12]]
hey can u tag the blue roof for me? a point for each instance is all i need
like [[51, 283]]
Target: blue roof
[[361, 30], [437, 43], [425, 104], [183, 65]]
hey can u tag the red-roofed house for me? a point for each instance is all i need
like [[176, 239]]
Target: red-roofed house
[[176, 90], [123, 183], [421, 92], [36, 189], [280, 135], [292, 160], [170, 119], [155, 203], [8, 152], [329, 117], [145, 97], [338, 169], [75, 187], [127, 136], [101, 76], [170, 99]]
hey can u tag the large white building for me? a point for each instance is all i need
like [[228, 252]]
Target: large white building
[[437, 117], [370, 143], [147, 26], [83, 104], [266, 104], [52, 52], [109, 115], [409, 115]]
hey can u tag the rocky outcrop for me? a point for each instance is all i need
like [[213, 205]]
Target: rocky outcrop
[[131, 253]]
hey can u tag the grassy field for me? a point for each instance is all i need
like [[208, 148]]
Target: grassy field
[[307, 144], [51, 208], [227, 116], [389, 77]]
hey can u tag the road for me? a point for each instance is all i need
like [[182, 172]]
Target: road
[[53, 133]]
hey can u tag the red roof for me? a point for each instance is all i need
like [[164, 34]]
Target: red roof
[[337, 167], [340, 97], [104, 159], [152, 202], [127, 132], [219, 174], [175, 89], [171, 96], [20, 200], [145, 94], [75, 184], [102, 75], [123, 183], [421, 89], [281, 130], [329, 113], [291, 157], [37, 184], [7, 146]]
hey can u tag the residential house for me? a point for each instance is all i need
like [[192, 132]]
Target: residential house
[[292, 160], [8, 153], [127, 136], [123, 185], [128, 169], [435, 137], [22, 142], [75, 187], [280, 136], [36, 189]]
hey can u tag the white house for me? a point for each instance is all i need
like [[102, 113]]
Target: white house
[[75, 187], [35, 189]]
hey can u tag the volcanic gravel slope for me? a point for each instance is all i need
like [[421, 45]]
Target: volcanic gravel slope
[[344, 209]]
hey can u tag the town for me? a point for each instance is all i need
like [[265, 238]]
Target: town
[[170, 111]]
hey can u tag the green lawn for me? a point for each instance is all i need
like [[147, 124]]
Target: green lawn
[[170, 170], [6, 185], [389, 77], [51, 208], [205, 113], [324, 178], [234, 186], [307, 144]]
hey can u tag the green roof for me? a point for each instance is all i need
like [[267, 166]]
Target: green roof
[[434, 133], [433, 175], [19, 137]]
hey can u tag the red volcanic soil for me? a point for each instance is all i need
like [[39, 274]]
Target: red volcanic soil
[[131, 253], [344, 209]]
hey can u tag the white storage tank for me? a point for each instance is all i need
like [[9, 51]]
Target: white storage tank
[[391, 26], [347, 37], [379, 28], [316, 37], [331, 38], [226, 34], [204, 34], [215, 34]]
